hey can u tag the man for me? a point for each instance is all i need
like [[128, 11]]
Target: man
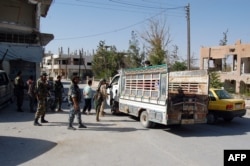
[[74, 96], [19, 91], [41, 95], [58, 88], [147, 63], [100, 96], [88, 95], [31, 92]]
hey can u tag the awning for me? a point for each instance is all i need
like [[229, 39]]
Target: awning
[[24, 52]]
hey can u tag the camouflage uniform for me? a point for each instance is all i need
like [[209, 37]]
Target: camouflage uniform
[[74, 92], [58, 88], [19, 91], [41, 93]]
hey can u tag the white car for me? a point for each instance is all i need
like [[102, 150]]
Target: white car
[[6, 89]]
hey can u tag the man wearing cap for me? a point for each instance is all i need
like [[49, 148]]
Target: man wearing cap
[[58, 88], [74, 98], [41, 95]]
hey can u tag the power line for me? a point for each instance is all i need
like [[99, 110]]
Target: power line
[[123, 28]]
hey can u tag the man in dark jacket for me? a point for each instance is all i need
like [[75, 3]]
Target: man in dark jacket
[[58, 88]]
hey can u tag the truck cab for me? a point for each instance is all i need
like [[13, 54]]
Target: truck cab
[[112, 90]]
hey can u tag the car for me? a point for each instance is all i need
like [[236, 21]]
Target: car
[[6, 89], [223, 105]]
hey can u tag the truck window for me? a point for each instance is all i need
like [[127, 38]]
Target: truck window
[[115, 81]]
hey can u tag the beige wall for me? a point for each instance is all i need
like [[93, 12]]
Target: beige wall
[[231, 61]]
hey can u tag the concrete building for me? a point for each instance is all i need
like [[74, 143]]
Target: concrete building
[[232, 62], [67, 64], [21, 42]]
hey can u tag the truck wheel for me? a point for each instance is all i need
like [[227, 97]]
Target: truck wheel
[[228, 119], [211, 118], [144, 120]]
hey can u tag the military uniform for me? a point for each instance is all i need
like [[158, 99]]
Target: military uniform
[[41, 94], [74, 96], [58, 88], [99, 98], [19, 91]]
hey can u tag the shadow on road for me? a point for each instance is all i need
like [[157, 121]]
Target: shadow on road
[[239, 126], [16, 150]]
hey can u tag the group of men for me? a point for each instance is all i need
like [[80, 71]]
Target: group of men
[[39, 90]]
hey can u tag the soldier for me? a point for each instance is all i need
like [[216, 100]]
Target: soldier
[[74, 96], [41, 95], [19, 91], [58, 88], [99, 98]]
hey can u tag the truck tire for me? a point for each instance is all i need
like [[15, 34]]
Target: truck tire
[[144, 120]]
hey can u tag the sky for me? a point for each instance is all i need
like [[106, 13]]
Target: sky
[[82, 24]]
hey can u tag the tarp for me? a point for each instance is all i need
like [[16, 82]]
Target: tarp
[[24, 52]]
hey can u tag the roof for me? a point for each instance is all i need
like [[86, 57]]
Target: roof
[[30, 53]]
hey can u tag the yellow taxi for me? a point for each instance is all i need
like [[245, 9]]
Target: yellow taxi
[[223, 105]]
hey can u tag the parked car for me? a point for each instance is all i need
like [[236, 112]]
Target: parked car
[[223, 105], [6, 89]]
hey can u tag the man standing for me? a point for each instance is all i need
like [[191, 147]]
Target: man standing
[[41, 94], [100, 97], [31, 92], [58, 87], [74, 95], [19, 91], [88, 95]]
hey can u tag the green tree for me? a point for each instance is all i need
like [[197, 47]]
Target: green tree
[[178, 66], [134, 55], [157, 38], [215, 81], [107, 61]]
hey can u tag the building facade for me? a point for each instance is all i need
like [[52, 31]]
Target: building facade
[[21, 42], [232, 62], [68, 64]]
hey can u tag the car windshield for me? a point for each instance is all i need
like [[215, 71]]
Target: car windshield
[[222, 94]]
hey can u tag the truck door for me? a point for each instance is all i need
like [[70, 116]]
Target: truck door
[[113, 90]]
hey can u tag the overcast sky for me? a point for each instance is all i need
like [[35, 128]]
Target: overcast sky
[[81, 24]]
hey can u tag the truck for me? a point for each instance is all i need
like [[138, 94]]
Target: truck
[[155, 95]]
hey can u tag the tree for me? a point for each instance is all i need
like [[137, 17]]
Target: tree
[[107, 61], [223, 41], [215, 80], [135, 57], [157, 38], [178, 66]]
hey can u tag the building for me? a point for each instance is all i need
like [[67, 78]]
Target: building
[[21, 42], [68, 64], [232, 62]]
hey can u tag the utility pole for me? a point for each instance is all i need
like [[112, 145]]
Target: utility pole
[[188, 35], [80, 61]]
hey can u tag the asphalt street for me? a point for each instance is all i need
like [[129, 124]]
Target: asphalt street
[[114, 141]]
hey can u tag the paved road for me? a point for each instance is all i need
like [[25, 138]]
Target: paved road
[[114, 141]]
